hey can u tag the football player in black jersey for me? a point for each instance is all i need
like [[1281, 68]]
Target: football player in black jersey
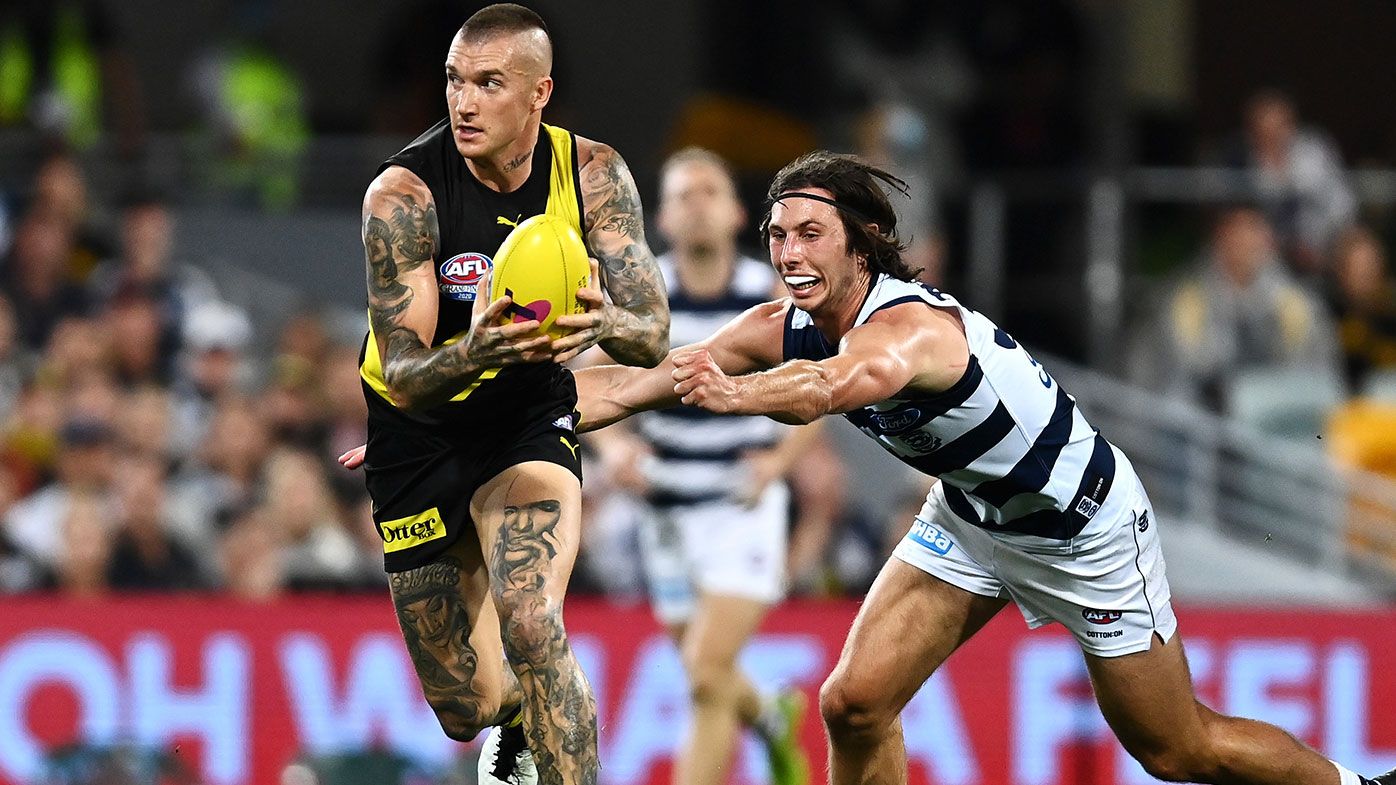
[[471, 455]]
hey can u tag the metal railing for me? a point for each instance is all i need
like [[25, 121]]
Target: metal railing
[[1242, 482]]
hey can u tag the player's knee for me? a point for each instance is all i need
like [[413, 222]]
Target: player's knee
[[709, 684], [462, 719], [1185, 757], [532, 632], [851, 710], [1177, 765]]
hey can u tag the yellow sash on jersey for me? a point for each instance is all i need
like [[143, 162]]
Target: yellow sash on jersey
[[562, 202]]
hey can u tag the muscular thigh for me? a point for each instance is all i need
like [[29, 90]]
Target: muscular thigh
[[450, 626], [529, 522], [1147, 698], [909, 624]]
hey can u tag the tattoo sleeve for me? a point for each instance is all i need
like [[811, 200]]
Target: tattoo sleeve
[[401, 236], [436, 630], [559, 711], [616, 233]]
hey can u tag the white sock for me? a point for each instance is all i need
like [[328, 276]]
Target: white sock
[[1346, 776]]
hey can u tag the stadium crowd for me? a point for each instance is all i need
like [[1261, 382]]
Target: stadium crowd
[[152, 437], [151, 442]]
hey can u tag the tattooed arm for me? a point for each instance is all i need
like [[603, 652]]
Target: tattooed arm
[[401, 237], [634, 327]]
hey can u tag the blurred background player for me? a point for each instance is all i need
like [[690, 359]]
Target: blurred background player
[[715, 509], [471, 457]]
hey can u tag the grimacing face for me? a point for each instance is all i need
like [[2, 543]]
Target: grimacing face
[[809, 249], [492, 88]]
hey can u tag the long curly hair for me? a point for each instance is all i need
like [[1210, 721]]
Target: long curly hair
[[854, 184]]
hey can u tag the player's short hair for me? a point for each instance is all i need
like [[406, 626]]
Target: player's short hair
[[698, 155], [502, 19], [869, 221]]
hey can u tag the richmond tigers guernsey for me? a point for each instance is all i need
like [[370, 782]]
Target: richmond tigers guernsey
[[1014, 453], [474, 220]]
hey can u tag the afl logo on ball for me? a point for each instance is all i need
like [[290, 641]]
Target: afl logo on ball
[[461, 274]]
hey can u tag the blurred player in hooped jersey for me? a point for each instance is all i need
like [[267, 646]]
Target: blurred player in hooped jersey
[[714, 503]]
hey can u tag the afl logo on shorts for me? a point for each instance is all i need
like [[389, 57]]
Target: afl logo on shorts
[[460, 275], [1101, 617]]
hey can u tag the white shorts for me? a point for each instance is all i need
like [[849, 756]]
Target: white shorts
[[718, 548], [1107, 585]]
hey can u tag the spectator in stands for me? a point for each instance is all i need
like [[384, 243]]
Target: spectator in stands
[[61, 185], [30, 437], [250, 558], [84, 537], [343, 400], [144, 425], [1242, 310], [214, 366], [16, 363], [145, 555], [76, 346], [345, 426], [1299, 174], [1364, 300], [18, 571], [146, 264], [95, 397], [318, 551], [293, 539], [291, 403], [35, 523], [141, 352], [223, 479], [36, 275], [304, 335]]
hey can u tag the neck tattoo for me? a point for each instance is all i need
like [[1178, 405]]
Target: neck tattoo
[[517, 162]]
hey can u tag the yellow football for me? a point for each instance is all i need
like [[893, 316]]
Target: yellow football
[[541, 265]]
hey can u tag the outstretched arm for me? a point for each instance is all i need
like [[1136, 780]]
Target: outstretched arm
[[610, 393], [904, 346], [401, 238], [633, 327]]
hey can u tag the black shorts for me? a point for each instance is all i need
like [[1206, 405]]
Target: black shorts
[[421, 482]]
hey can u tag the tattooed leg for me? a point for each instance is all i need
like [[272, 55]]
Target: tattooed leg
[[452, 634], [532, 515]]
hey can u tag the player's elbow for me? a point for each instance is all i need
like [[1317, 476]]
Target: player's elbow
[[803, 416], [816, 394], [404, 395], [651, 352], [404, 399]]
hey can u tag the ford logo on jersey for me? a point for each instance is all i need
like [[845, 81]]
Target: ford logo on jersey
[[460, 275], [894, 421]]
